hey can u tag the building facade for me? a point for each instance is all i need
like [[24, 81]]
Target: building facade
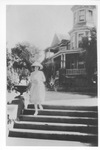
[[67, 53], [83, 21]]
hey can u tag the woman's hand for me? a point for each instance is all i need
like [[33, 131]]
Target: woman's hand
[[29, 86]]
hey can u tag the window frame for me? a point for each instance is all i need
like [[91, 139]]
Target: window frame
[[81, 15], [78, 38], [90, 16]]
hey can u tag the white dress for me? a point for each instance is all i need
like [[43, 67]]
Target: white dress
[[37, 91]]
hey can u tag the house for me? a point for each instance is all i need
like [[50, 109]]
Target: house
[[65, 51]]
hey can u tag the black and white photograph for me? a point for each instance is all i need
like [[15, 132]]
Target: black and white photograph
[[52, 75]]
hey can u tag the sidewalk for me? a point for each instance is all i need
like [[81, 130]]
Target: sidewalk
[[70, 99], [61, 98], [71, 102]]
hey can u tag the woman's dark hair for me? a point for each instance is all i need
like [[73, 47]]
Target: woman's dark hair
[[33, 67]]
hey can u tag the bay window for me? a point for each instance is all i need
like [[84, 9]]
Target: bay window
[[90, 15], [80, 36], [82, 15]]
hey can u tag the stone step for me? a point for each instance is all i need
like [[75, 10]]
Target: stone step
[[64, 123], [59, 119], [82, 128], [55, 135], [59, 107], [56, 112], [13, 141]]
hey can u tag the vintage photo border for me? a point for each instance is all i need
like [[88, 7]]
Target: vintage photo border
[[3, 4]]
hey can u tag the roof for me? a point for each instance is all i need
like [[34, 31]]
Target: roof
[[58, 38], [68, 52], [63, 36], [75, 7]]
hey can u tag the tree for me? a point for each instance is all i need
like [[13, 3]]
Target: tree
[[9, 75], [48, 68], [8, 57], [90, 45], [24, 55]]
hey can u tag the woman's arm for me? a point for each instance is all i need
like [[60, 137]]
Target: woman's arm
[[43, 77], [29, 82]]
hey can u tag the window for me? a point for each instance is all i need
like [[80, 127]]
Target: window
[[80, 35], [87, 33], [90, 14], [81, 65], [81, 15]]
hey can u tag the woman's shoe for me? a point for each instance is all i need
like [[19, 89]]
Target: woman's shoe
[[40, 106], [36, 113]]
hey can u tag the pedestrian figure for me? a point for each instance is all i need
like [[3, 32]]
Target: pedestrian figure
[[37, 89]]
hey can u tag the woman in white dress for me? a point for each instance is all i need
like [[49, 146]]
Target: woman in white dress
[[37, 90]]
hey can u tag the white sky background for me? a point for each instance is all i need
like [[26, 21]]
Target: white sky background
[[36, 24]]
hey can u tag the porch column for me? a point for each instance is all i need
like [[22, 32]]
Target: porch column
[[64, 60]]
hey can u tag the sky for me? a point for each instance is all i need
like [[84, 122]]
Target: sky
[[36, 24]]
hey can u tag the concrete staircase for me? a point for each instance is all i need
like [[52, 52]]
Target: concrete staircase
[[68, 123]]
